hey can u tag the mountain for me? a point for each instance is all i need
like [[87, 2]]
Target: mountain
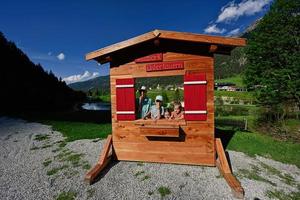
[[26, 86], [102, 83], [228, 66]]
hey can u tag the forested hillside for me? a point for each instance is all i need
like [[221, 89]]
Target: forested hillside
[[228, 66], [26, 86]]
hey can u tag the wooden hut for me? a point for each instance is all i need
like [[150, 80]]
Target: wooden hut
[[191, 140]]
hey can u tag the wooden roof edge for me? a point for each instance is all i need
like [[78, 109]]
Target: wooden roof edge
[[195, 37], [121, 45], [182, 36]]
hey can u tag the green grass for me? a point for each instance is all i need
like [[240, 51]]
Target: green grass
[[56, 170], [47, 162], [282, 195], [237, 95], [79, 130], [105, 98], [41, 137], [34, 148], [285, 177], [164, 191], [237, 80], [91, 192], [139, 173], [253, 174], [146, 177], [253, 144], [170, 94], [66, 196], [186, 174]]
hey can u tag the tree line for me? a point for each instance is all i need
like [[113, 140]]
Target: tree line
[[26, 86]]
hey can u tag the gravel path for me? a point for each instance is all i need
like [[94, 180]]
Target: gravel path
[[37, 164]]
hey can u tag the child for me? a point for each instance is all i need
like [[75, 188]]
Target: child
[[178, 113], [156, 111], [167, 114]]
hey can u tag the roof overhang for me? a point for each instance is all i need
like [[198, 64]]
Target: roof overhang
[[228, 43]]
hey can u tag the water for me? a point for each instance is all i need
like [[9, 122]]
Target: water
[[96, 106]]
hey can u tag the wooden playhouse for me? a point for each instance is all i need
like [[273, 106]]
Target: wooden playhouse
[[188, 141]]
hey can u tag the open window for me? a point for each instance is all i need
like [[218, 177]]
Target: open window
[[190, 91]]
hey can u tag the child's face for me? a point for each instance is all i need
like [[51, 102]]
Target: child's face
[[177, 109], [167, 114], [158, 103]]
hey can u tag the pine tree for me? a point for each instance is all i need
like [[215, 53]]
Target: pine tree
[[273, 54]]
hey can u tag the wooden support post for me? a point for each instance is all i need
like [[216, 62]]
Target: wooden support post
[[104, 159], [223, 166]]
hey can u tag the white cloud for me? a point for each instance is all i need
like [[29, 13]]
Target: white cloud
[[80, 77], [214, 29], [233, 32], [61, 56], [233, 11]]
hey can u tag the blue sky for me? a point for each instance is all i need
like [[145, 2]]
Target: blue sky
[[58, 34]]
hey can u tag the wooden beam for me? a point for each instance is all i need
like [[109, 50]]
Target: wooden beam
[[121, 45], [104, 159], [160, 131], [222, 157], [213, 48], [192, 37], [225, 170]]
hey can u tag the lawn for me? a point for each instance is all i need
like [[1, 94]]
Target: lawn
[[237, 80], [80, 130], [252, 143]]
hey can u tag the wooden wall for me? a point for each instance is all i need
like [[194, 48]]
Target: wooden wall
[[196, 142]]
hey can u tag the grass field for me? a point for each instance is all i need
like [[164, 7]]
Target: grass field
[[237, 80], [252, 143], [80, 130], [238, 95]]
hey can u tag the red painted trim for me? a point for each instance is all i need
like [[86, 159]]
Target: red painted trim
[[150, 58], [165, 66]]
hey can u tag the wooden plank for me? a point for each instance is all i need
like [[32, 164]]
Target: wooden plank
[[192, 37], [172, 56], [162, 122], [234, 184], [225, 170], [102, 162], [159, 131], [222, 157], [168, 147], [139, 69], [162, 157], [120, 45]]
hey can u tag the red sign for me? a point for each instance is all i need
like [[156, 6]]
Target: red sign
[[164, 66], [150, 58]]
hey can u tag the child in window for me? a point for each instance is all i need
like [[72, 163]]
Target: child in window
[[178, 113], [157, 110], [167, 114]]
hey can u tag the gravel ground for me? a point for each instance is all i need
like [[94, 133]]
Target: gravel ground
[[37, 164]]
